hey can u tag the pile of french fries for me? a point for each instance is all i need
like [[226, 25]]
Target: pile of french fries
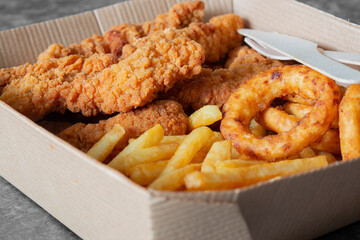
[[201, 160]]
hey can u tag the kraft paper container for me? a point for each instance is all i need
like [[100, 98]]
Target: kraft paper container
[[97, 202]]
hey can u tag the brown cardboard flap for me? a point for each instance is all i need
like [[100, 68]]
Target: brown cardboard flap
[[304, 206], [282, 16], [24, 44], [79, 191], [197, 220]]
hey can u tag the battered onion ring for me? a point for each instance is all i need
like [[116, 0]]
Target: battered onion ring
[[349, 123], [279, 121], [257, 93]]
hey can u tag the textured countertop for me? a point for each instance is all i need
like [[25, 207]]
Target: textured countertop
[[21, 218]]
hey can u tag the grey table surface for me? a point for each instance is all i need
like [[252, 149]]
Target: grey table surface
[[20, 217]]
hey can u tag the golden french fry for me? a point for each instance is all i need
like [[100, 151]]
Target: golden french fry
[[167, 139], [144, 174], [188, 148], [300, 110], [205, 116], [231, 178], [236, 163], [150, 138], [201, 154], [199, 157], [172, 139], [257, 129], [329, 157], [219, 151], [279, 121], [106, 144], [149, 155], [307, 153], [175, 179]]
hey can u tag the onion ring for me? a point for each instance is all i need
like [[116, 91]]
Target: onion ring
[[256, 95], [279, 121], [349, 123]]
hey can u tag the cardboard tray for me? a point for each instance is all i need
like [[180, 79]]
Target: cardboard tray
[[97, 202]]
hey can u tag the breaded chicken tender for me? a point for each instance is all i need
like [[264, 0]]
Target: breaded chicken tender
[[210, 87], [37, 92], [179, 16], [169, 114], [128, 84], [246, 61], [214, 87], [216, 37]]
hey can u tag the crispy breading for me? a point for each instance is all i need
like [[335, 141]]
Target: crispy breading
[[169, 114], [37, 92], [128, 84], [179, 16], [216, 37], [246, 61], [86, 48], [47, 59], [7, 74], [215, 86], [210, 87]]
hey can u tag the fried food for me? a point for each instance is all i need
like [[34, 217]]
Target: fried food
[[247, 62], [144, 174], [174, 180], [38, 91], [128, 84], [349, 123], [86, 48], [231, 178], [216, 37], [102, 148], [179, 16], [300, 110], [167, 113], [279, 121], [196, 140], [205, 116], [219, 151], [256, 95], [214, 87], [148, 139], [210, 87]]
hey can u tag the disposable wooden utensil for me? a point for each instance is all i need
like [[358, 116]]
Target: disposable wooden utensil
[[305, 52]]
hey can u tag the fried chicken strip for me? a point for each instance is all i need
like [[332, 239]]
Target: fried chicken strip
[[179, 16], [169, 114], [128, 84], [216, 37], [214, 87], [246, 61], [36, 93]]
